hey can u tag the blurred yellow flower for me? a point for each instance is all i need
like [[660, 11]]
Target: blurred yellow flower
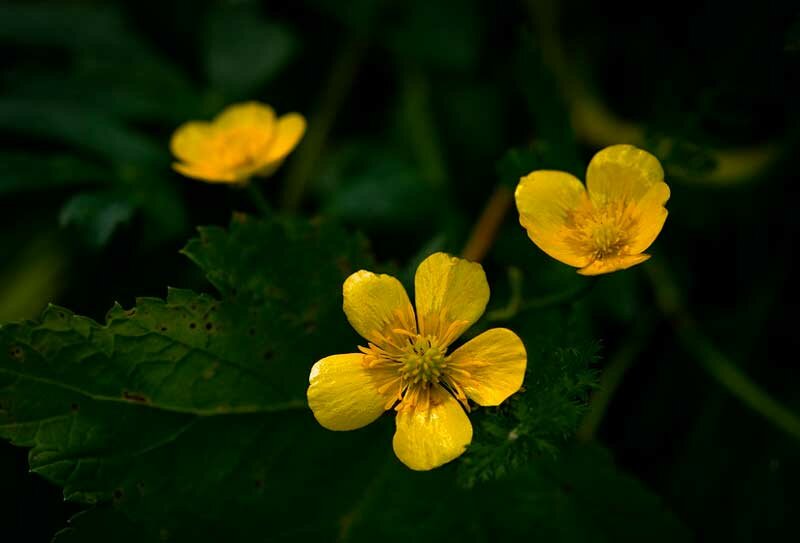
[[406, 364], [244, 140], [605, 226]]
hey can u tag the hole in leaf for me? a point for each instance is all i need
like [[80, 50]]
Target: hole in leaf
[[135, 397], [16, 353], [192, 325]]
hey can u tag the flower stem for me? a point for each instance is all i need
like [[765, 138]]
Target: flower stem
[[485, 230], [516, 305], [562, 298], [337, 87], [422, 128], [725, 372], [257, 198]]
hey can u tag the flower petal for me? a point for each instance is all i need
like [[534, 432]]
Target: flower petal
[[612, 264], [451, 294], [207, 173], [288, 131], [246, 114], [431, 435], [546, 201], [622, 173], [651, 215], [342, 393], [189, 142], [490, 367], [376, 305]]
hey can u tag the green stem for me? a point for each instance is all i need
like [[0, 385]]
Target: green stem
[[516, 305], [337, 87], [422, 128], [258, 199], [711, 359], [562, 298]]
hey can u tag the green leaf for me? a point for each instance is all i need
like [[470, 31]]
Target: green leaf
[[377, 191], [195, 403], [96, 215], [244, 51], [45, 23], [80, 127], [445, 34], [22, 172], [148, 88]]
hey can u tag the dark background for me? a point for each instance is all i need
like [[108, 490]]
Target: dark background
[[422, 100]]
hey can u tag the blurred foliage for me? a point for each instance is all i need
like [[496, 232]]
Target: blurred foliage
[[416, 111]]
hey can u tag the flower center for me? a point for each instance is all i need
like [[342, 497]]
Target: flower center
[[422, 361], [603, 232], [241, 146]]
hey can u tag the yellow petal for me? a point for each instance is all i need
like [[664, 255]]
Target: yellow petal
[[253, 114], [622, 173], [451, 294], [427, 437], [611, 264], [190, 141], [288, 131], [342, 393], [546, 201], [208, 173], [376, 305], [490, 367], [651, 215]]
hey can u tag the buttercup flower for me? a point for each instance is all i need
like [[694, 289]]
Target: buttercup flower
[[406, 364], [605, 226], [244, 140]]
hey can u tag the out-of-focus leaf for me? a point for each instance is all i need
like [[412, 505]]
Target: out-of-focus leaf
[[42, 23], [359, 16], [144, 91], [96, 215], [792, 43], [244, 51], [444, 34], [549, 112], [372, 187], [579, 497], [23, 172], [159, 200], [109, 65], [80, 127]]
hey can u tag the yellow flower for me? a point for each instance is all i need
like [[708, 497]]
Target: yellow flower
[[605, 226], [406, 364], [244, 140]]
